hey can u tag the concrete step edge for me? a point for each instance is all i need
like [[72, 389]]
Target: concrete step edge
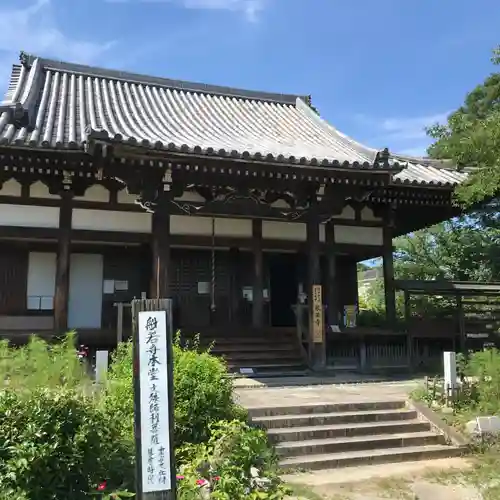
[[347, 440], [335, 427], [369, 454], [340, 414], [308, 409]]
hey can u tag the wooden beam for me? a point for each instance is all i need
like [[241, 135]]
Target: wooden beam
[[316, 349], [61, 298], [160, 280], [332, 282], [388, 271], [258, 276]]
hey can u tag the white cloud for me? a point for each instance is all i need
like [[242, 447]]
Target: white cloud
[[34, 29], [404, 135], [249, 8]]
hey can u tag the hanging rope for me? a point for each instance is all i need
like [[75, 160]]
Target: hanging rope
[[212, 305]]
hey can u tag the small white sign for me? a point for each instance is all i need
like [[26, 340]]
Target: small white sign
[[154, 409], [101, 365], [450, 370], [108, 287], [246, 371]]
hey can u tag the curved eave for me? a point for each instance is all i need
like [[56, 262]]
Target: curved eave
[[105, 137]]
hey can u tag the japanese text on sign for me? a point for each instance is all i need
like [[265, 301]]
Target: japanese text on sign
[[154, 409], [317, 316]]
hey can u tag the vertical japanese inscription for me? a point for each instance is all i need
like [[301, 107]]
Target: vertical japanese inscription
[[155, 425], [317, 314]]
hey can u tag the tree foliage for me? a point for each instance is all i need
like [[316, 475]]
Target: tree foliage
[[471, 138], [460, 249]]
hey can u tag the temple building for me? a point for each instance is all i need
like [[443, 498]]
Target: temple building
[[244, 207]]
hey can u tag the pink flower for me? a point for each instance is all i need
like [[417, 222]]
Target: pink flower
[[102, 486], [216, 478], [179, 478], [201, 482]]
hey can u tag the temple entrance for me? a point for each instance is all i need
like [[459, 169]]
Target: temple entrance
[[283, 273]]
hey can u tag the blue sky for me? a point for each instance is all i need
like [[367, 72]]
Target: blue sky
[[379, 70]]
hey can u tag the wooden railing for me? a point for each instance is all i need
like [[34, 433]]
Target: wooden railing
[[120, 309]]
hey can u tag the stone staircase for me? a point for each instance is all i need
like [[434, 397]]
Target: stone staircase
[[267, 353], [324, 436]]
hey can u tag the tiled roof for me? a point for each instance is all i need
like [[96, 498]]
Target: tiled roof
[[55, 105]]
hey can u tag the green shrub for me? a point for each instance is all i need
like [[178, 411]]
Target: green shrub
[[203, 393], [40, 365], [57, 443], [484, 368], [237, 463]]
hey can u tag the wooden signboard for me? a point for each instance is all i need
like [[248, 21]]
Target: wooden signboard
[[318, 316], [153, 408]]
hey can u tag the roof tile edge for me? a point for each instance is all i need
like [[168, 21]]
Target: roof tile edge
[[181, 85]]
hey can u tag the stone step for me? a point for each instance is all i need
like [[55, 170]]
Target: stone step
[[357, 443], [249, 341], [349, 430], [372, 457], [297, 372], [259, 355], [349, 417], [263, 367], [322, 408], [283, 356], [276, 348]]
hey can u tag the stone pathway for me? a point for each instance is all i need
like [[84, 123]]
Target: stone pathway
[[305, 391], [400, 481], [404, 481]]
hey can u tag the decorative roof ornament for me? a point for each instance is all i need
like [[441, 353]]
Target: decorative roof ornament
[[310, 104], [382, 159], [25, 59]]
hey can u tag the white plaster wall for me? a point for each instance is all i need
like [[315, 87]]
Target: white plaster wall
[[348, 213], [41, 280], [125, 197], [367, 215], [110, 220], [95, 193], [202, 226], [40, 190], [292, 231], [357, 235], [29, 216], [10, 188]]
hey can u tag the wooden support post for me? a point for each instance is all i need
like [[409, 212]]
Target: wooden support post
[[316, 346], [61, 298], [258, 275], [234, 285], [388, 269], [409, 338], [119, 323], [331, 286], [164, 347], [160, 282], [461, 326]]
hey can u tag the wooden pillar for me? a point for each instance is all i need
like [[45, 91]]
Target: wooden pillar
[[332, 284], [61, 297], [316, 349], [160, 280], [234, 284], [388, 269], [258, 275]]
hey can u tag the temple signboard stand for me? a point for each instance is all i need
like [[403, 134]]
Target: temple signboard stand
[[153, 399]]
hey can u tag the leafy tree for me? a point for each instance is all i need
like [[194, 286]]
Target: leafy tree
[[459, 249], [471, 138]]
